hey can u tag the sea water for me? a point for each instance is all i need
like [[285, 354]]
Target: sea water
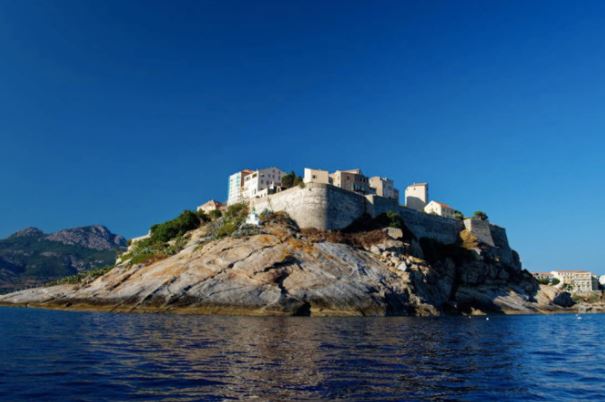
[[54, 355]]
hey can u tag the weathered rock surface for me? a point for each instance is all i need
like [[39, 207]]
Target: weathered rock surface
[[96, 237], [284, 272]]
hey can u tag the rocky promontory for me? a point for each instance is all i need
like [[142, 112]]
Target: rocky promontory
[[278, 269]]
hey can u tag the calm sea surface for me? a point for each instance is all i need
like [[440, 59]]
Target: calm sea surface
[[52, 355]]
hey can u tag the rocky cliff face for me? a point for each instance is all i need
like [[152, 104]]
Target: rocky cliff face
[[280, 270], [30, 257], [95, 237]]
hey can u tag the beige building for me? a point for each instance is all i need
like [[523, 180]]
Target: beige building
[[262, 182], [416, 196], [579, 281], [351, 180], [236, 184], [384, 187], [317, 176], [211, 205], [441, 209]]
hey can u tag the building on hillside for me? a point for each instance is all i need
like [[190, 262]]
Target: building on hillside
[[211, 205], [236, 184], [441, 209], [416, 196], [543, 276], [262, 182], [351, 180], [384, 187], [578, 280], [317, 176]]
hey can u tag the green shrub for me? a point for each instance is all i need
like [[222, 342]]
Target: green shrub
[[232, 219], [291, 180], [555, 281], [278, 218], [236, 212], [266, 216], [458, 215], [186, 221], [82, 277], [394, 220], [166, 239], [147, 251], [202, 216], [480, 215], [215, 214]]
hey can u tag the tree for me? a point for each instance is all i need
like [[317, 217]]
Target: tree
[[203, 216], [458, 215], [555, 281], [215, 214], [480, 215], [290, 180]]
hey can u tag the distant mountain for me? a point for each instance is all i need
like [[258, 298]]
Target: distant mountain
[[31, 257]]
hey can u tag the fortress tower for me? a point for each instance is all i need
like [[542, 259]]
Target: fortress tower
[[416, 196]]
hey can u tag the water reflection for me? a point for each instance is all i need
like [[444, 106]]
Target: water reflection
[[88, 356]]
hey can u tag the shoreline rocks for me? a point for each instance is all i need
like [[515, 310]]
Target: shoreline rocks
[[283, 271]]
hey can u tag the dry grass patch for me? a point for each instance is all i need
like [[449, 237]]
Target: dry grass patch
[[357, 239]]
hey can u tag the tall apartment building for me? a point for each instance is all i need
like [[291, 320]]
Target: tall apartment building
[[416, 196], [259, 182], [236, 183], [384, 187]]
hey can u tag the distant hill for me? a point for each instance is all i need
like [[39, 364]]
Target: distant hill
[[31, 257]]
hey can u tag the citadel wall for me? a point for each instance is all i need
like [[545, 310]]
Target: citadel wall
[[326, 207], [316, 205]]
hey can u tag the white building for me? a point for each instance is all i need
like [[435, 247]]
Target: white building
[[260, 182], [384, 187], [253, 219], [236, 183], [602, 280], [416, 196], [545, 276], [441, 209], [579, 281]]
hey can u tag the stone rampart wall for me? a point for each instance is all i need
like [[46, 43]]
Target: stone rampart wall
[[481, 230], [327, 207], [444, 230], [315, 205], [499, 236]]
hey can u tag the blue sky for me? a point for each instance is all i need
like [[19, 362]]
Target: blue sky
[[124, 113]]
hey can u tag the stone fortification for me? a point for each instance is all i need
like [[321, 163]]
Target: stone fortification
[[326, 207], [315, 205], [481, 230]]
